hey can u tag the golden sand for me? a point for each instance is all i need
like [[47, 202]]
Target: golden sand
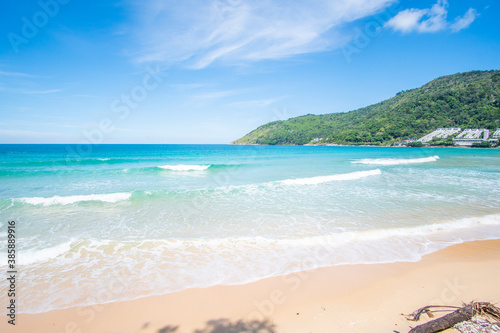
[[351, 298]]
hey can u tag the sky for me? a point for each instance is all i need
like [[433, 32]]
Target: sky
[[210, 71]]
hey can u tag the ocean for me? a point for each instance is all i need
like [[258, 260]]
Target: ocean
[[106, 223]]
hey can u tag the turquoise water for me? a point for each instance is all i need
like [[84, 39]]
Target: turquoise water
[[163, 218]]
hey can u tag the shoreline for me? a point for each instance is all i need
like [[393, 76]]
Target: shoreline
[[364, 145], [348, 298]]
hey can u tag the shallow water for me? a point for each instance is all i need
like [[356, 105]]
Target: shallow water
[[163, 218]]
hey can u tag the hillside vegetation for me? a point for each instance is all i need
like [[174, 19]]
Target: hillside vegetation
[[467, 100]]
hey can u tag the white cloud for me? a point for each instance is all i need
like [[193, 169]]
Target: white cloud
[[464, 21], [24, 91], [436, 18], [257, 103], [183, 87], [16, 74], [201, 32], [23, 75], [429, 20], [215, 95], [89, 96], [41, 91], [406, 20]]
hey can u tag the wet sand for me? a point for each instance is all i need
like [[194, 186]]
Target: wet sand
[[350, 298]]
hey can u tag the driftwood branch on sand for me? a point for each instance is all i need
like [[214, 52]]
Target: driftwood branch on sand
[[460, 314]]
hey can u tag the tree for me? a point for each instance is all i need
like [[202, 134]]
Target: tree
[[482, 144]]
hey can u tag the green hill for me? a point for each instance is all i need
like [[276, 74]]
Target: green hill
[[467, 100]]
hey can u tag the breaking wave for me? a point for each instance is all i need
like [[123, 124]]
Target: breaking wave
[[185, 167], [396, 161], [68, 200], [325, 179]]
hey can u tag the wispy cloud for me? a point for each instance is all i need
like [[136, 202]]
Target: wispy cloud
[[24, 91], [257, 103], [464, 21], [198, 33], [430, 19], [89, 96], [51, 91], [188, 86], [44, 124], [22, 83], [28, 135], [18, 74], [212, 95]]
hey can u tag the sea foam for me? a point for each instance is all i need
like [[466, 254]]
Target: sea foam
[[68, 200], [203, 262], [29, 257], [184, 167], [396, 161], [428, 230], [325, 179]]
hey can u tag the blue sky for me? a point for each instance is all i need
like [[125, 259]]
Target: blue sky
[[209, 71]]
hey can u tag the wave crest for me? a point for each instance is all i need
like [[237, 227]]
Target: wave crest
[[68, 200], [32, 256], [396, 161], [185, 167], [141, 195], [324, 179]]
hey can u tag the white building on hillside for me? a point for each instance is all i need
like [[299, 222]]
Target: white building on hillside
[[466, 138], [441, 133], [470, 136]]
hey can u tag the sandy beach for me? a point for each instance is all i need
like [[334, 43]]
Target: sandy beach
[[232, 166], [351, 298]]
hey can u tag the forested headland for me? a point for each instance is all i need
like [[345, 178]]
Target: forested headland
[[466, 100]]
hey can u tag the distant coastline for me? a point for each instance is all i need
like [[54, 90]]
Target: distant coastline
[[344, 145]]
